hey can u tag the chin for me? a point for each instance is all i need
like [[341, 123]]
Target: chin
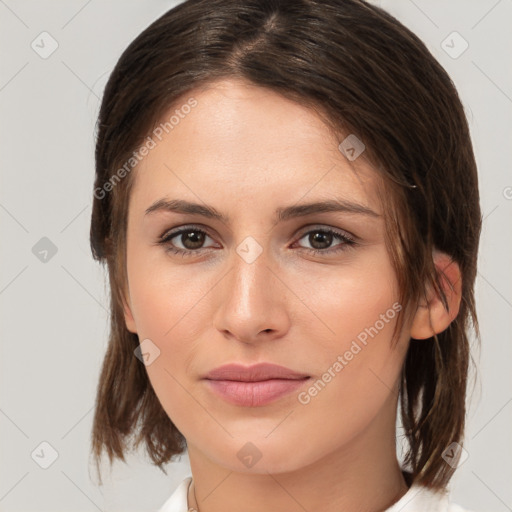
[[257, 454]]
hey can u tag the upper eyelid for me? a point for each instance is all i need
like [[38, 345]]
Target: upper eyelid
[[322, 227], [173, 232]]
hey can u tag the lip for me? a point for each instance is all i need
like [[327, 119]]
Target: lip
[[253, 386], [253, 373]]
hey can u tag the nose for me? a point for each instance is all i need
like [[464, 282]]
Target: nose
[[252, 302]]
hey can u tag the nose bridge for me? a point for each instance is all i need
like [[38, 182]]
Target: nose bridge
[[251, 274], [248, 301]]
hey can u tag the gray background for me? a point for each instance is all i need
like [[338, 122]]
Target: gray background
[[54, 312]]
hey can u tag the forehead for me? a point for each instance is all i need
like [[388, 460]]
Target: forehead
[[243, 142]]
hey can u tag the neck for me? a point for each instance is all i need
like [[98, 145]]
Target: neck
[[363, 475]]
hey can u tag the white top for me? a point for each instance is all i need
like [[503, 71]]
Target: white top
[[416, 499]]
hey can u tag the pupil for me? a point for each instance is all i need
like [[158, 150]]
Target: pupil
[[318, 236], [189, 242]]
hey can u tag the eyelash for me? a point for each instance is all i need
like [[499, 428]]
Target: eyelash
[[348, 242]]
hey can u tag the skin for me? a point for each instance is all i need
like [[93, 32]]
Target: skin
[[246, 151]]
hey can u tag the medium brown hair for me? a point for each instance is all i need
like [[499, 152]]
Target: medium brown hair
[[366, 74]]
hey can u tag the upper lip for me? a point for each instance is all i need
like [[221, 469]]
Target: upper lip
[[254, 373]]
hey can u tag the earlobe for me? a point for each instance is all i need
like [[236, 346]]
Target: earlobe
[[128, 318], [432, 317]]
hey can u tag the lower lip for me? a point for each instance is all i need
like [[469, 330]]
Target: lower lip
[[254, 394]]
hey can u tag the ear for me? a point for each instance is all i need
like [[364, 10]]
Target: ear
[[128, 316], [431, 317]]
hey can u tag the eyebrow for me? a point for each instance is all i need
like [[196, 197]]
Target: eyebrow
[[281, 214]]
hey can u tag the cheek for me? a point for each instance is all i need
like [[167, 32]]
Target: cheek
[[164, 299], [356, 382], [167, 310], [168, 305], [346, 301], [354, 317]]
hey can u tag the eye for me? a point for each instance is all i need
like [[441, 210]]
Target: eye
[[191, 238], [320, 238]]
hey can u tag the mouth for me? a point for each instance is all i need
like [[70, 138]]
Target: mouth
[[255, 393], [254, 386]]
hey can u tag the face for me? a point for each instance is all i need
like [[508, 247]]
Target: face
[[312, 290]]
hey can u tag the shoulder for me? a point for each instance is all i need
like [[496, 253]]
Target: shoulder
[[457, 508], [422, 499], [417, 499], [178, 501]]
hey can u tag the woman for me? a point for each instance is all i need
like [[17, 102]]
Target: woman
[[286, 198]]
